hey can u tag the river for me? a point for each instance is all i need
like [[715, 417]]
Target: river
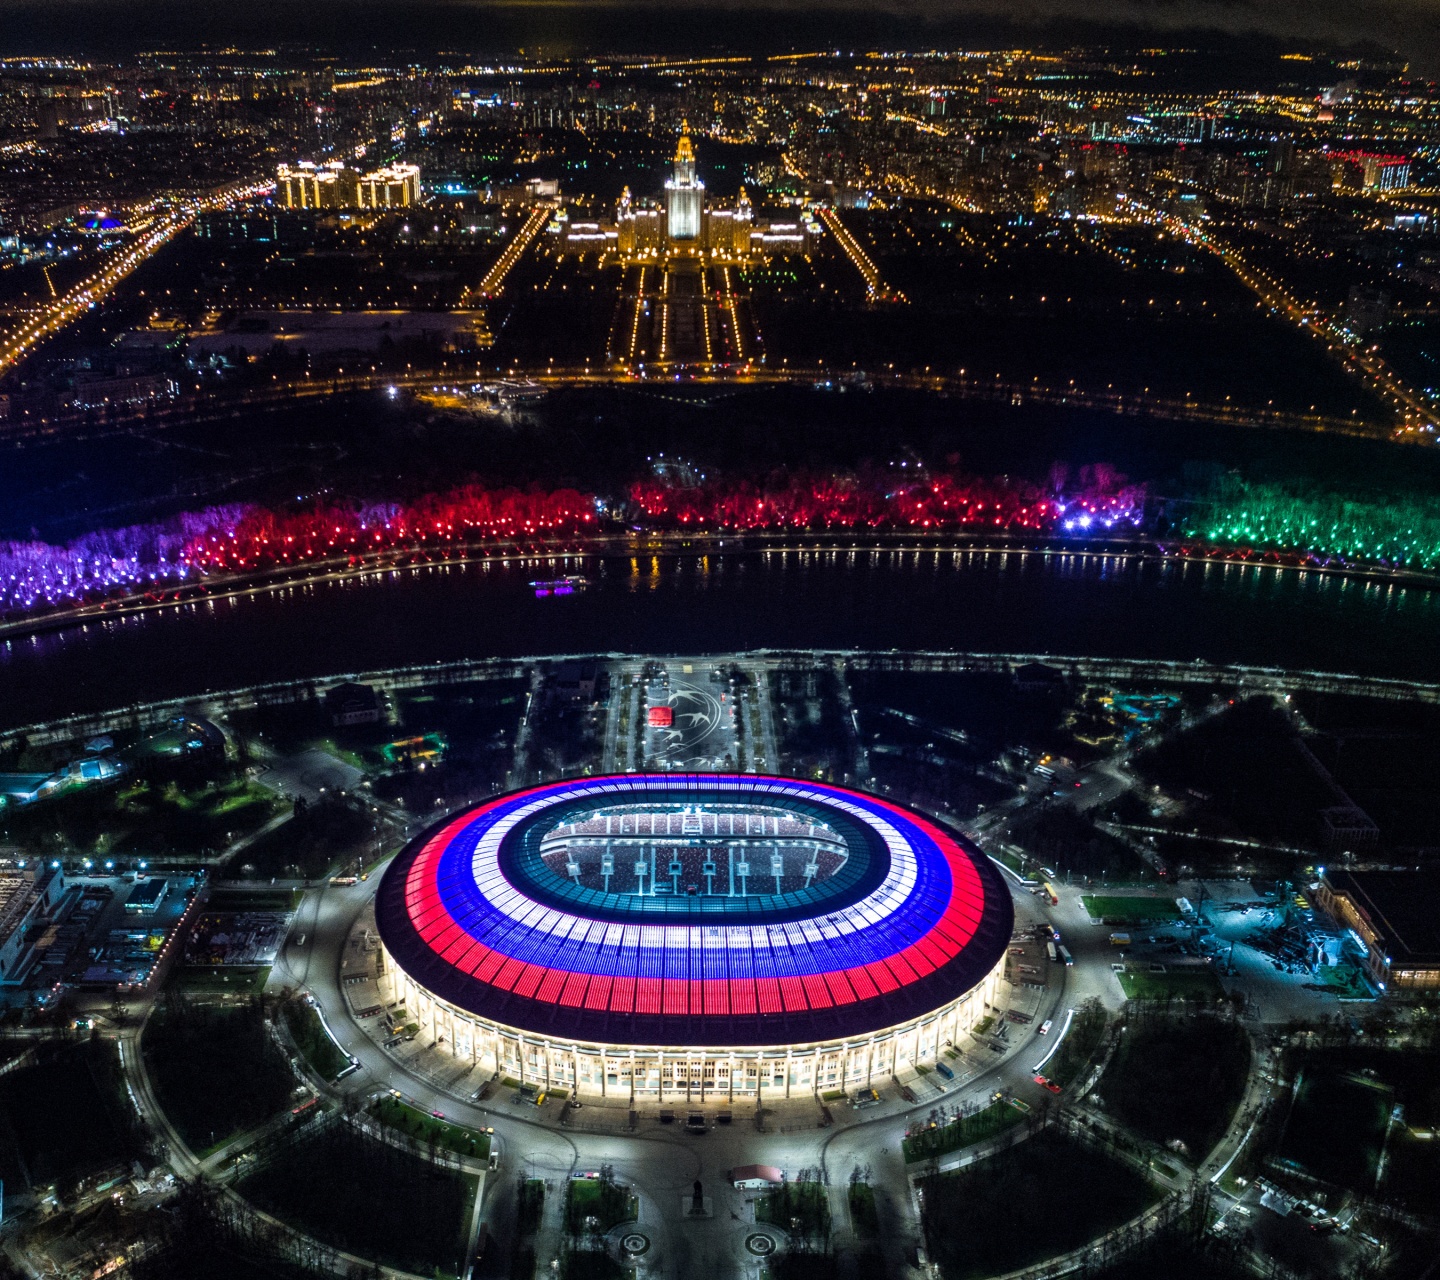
[[967, 600]]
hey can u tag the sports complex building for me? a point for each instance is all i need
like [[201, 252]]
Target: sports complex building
[[701, 936]]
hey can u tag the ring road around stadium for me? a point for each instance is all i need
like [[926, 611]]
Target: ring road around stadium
[[704, 935]]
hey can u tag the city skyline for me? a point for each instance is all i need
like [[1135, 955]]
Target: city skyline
[[770, 643]]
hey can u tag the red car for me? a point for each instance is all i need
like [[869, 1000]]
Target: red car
[[1047, 1084]]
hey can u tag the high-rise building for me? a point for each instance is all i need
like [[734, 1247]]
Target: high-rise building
[[307, 185], [686, 226], [639, 231], [396, 186], [684, 193], [1280, 156], [1367, 172]]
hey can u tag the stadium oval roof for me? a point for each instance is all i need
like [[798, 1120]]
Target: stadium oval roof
[[912, 918]]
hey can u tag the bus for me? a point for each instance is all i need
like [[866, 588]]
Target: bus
[[1066, 956], [1051, 896], [1050, 950]]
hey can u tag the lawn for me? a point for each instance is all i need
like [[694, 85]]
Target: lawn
[[66, 1117], [368, 1198], [425, 1128], [1412, 1170], [1200, 985], [1114, 909], [529, 1205], [1345, 981], [801, 1208], [1177, 1079], [219, 979], [1079, 1045], [327, 833], [237, 900], [864, 1216], [314, 1042], [600, 1198], [217, 1070], [941, 1139], [1028, 1202], [1336, 1126]]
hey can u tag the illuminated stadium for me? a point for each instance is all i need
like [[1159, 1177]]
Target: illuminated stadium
[[706, 935]]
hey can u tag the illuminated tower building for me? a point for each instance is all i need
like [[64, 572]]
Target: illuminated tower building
[[625, 225], [684, 193], [311, 186], [744, 224], [396, 186], [638, 231]]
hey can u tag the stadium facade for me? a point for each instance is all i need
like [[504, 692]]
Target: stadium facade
[[708, 936]]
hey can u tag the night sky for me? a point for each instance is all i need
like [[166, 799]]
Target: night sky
[[557, 27]]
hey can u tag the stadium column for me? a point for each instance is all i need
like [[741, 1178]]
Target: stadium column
[[789, 1070], [660, 1080]]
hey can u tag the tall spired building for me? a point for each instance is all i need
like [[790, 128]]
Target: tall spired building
[[686, 229], [684, 193]]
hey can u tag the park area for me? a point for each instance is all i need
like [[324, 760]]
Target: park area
[[594, 1205], [1249, 763], [1031, 1201], [1177, 1080], [368, 1198], [1411, 1172], [216, 1069], [1079, 1044], [65, 1116], [196, 815], [940, 1139], [329, 835], [316, 1045], [1336, 1128], [430, 1131], [1195, 984], [801, 1207], [220, 980]]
